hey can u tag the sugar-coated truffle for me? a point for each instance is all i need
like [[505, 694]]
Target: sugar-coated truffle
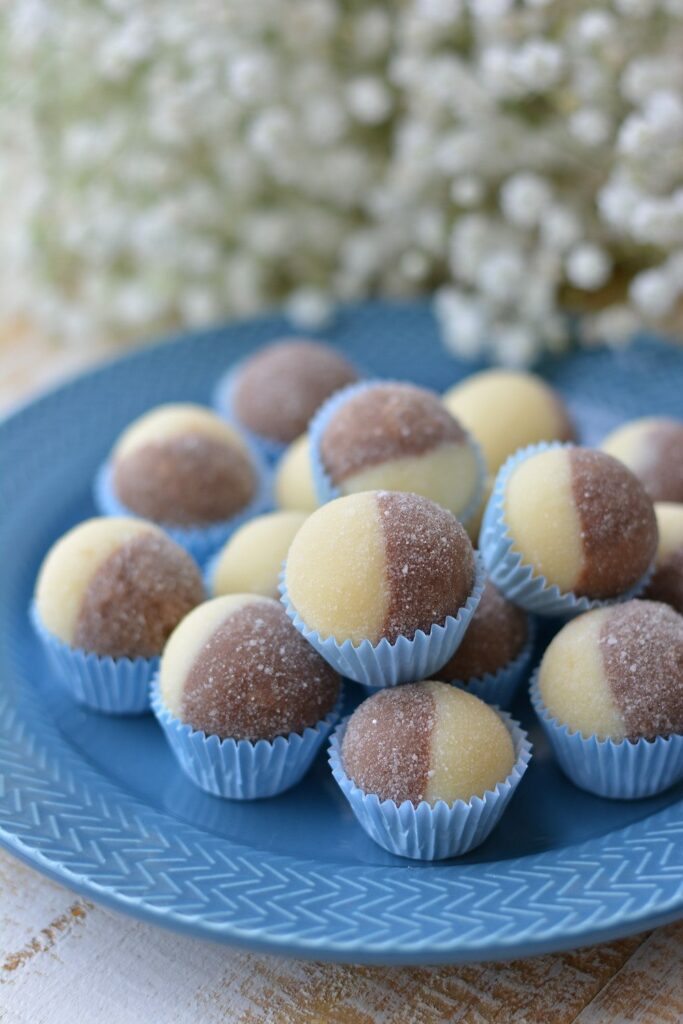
[[294, 489], [400, 438], [379, 564], [251, 561], [582, 520], [652, 448], [494, 638], [426, 741], [617, 672], [506, 410], [182, 465], [667, 583], [237, 668], [116, 587], [278, 389]]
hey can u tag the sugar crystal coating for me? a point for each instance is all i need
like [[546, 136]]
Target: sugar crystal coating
[[252, 677], [495, 636]]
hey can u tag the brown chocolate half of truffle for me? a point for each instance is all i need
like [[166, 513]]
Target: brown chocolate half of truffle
[[617, 521], [137, 597], [642, 654], [667, 583], [385, 422], [429, 562], [494, 638], [257, 678], [278, 390], [188, 480]]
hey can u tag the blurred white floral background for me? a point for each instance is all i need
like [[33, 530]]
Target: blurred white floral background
[[165, 163]]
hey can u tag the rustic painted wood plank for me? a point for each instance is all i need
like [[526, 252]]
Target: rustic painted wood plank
[[649, 987]]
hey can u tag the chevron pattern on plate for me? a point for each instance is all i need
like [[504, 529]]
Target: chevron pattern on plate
[[73, 821]]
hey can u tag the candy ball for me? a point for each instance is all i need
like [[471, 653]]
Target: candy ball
[[617, 672], [181, 465], [506, 410], [278, 389], [237, 668], [494, 638], [401, 438], [251, 561], [116, 587], [582, 520], [652, 448], [379, 564], [426, 741]]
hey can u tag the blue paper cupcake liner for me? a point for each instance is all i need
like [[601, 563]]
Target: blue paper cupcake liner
[[431, 832], [501, 687], [114, 686], [201, 541], [239, 769], [387, 664], [621, 770], [517, 580], [326, 490], [221, 401]]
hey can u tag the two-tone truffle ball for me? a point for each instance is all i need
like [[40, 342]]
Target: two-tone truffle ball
[[379, 564], [494, 638], [581, 520], [278, 389], [617, 672], [667, 582], [181, 465], [116, 587], [251, 561], [237, 668], [400, 437], [506, 410], [426, 741], [652, 448]]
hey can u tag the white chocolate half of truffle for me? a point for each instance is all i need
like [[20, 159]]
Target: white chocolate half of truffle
[[670, 522], [573, 682], [294, 490], [71, 564], [448, 475], [470, 748], [345, 593], [506, 410], [541, 515], [252, 559]]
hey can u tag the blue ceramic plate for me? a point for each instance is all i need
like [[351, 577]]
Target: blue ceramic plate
[[100, 805]]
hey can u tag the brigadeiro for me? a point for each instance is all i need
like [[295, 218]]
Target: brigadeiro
[[275, 392], [108, 595], [495, 652], [252, 559], [181, 466], [667, 583], [294, 488], [609, 693], [396, 437], [567, 523], [652, 448], [428, 768], [506, 410], [244, 700], [383, 584]]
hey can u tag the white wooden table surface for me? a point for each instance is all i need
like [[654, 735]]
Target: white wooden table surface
[[63, 959]]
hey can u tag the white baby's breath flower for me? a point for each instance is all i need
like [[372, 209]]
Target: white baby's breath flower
[[588, 266], [309, 308], [653, 293], [524, 199]]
